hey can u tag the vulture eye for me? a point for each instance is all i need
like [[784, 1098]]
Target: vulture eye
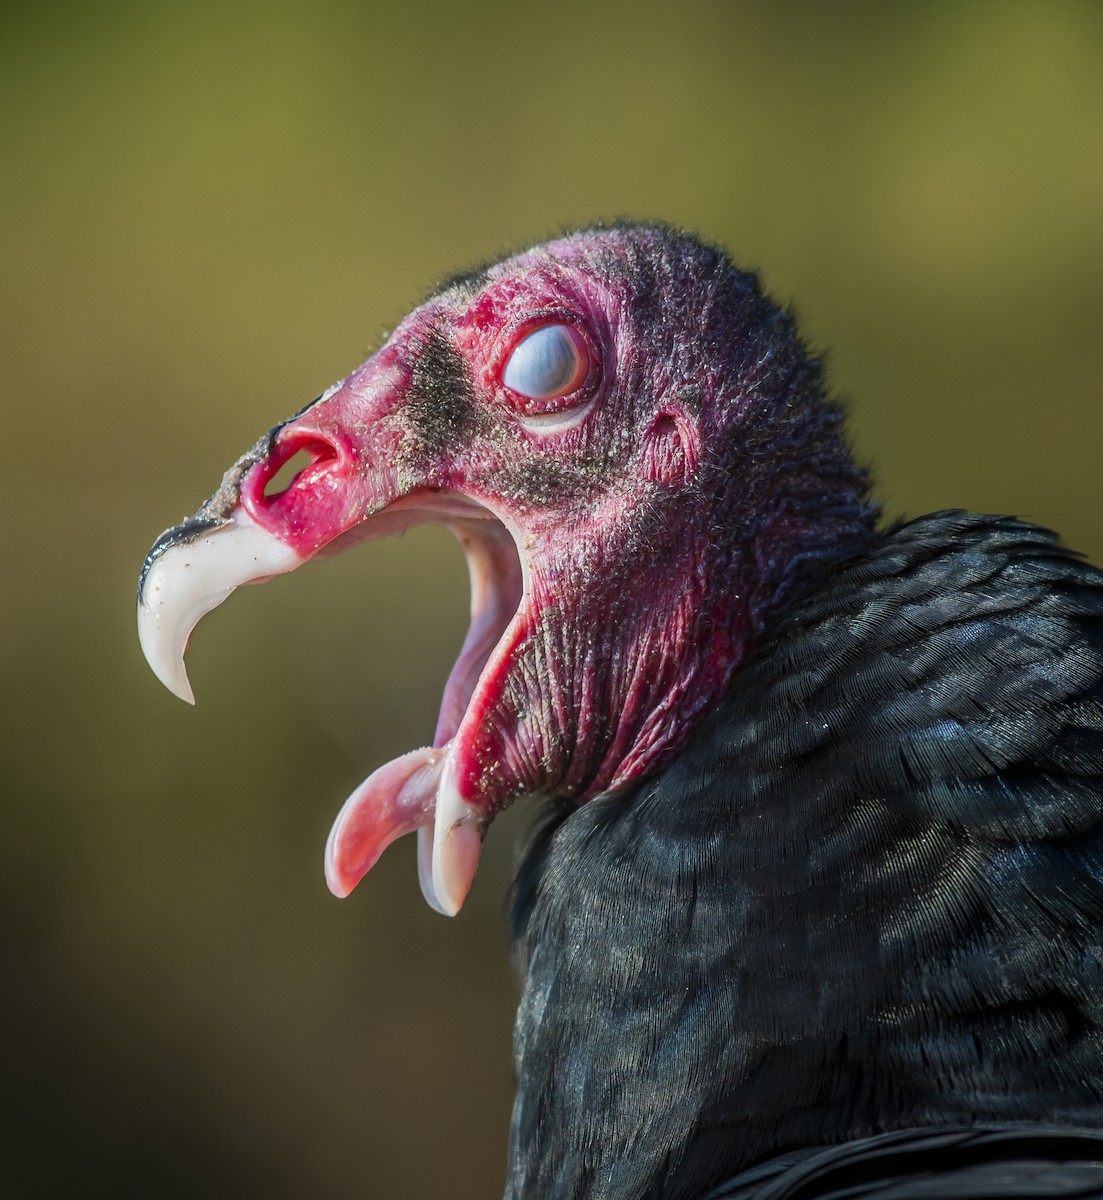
[[551, 362]]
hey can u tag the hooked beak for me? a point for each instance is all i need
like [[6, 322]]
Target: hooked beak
[[190, 570]]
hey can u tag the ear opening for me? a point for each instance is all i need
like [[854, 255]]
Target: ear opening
[[671, 448]]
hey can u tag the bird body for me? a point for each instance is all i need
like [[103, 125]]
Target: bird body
[[820, 863], [867, 895]]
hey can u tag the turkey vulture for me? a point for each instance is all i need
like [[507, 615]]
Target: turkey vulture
[[814, 905]]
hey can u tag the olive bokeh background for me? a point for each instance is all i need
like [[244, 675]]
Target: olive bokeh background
[[209, 213]]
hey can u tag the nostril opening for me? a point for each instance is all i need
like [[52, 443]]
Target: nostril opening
[[282, 479], [287, 474]]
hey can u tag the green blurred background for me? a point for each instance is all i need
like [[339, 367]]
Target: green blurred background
[[212, 211]]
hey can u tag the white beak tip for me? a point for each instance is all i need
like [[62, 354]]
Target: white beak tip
[[457, 845], [184, 580], [455, 863], [163, 653]]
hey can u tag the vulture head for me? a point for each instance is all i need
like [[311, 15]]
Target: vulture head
[[636, 454]]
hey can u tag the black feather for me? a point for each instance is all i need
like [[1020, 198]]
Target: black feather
[[866, 897], [1025, 1162]]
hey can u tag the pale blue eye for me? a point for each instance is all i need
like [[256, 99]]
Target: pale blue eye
[[550, 362]]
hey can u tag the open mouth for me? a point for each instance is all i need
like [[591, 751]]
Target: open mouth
[[418, 790], [196, 566]]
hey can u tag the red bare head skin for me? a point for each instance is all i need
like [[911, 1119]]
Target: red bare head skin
[[687, 480]]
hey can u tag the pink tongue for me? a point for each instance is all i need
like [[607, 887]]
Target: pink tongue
[[398, 798]]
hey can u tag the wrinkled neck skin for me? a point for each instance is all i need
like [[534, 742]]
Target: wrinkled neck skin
[[628, 669]]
